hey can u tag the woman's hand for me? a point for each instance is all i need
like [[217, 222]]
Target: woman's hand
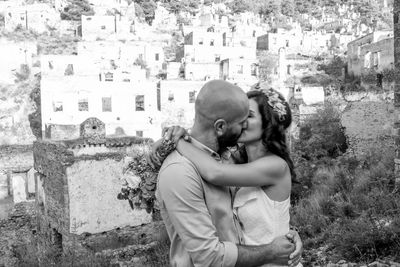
[[162, 147], [175, 133]]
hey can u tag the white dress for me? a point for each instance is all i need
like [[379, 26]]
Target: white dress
[[261, 218]]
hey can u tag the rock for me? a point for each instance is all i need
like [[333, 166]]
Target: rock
[[377, 264]]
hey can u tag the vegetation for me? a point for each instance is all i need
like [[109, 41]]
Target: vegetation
[[48, 43], [334, 68], [186, 6], [147, 9], [347, 205], [35, 118], [75, 9]]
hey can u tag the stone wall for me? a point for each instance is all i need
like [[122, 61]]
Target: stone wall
[[368, 120], [77, 185], [51, 161], [60, 132], [15, 163]]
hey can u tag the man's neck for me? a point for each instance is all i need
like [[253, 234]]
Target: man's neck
[[205, 137]]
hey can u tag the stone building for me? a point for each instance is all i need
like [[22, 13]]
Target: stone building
[[177, 101], [374, 49], [149, 55], [106, 27], [77, 185], [74, 89], [37, 17], [237, 69], [204, 49], [307, 42]]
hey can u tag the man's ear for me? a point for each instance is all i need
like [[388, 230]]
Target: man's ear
[[220, 127]]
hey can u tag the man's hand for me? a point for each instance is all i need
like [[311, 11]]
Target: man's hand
[[295, 256], [282, 247]]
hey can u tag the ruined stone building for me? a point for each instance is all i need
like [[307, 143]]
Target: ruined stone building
[[371, 53], [125, 54], [73, 89], [207, 53], [37, 17], [77, 184]]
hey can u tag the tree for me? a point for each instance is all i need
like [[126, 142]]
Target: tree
[[302, 6], [148, 7], [238, 6], [177, 7], [139, 13], [75, 9], [288, 8], [267, 7]]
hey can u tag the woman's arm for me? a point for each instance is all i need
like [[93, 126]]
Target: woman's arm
[[264, 171]]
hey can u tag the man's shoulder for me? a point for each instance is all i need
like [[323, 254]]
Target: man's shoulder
[[178, 161]]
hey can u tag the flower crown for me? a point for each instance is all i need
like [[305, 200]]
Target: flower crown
[[275, 99]]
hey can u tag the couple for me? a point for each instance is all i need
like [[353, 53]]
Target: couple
[[220, 214]]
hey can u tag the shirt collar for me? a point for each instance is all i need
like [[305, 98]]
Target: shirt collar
[[205, 148], [225, 155]]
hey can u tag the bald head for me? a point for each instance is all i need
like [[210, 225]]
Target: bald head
[[219, 99]]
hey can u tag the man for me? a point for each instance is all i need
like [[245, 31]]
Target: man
[[198, 215]]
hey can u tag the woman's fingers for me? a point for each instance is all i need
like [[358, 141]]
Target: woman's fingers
[[168, 133], [174, 133], [178, 133]]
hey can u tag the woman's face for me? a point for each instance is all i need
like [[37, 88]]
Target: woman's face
[[254, 130]]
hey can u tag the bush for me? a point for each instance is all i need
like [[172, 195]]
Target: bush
[[322, 135], [334, 68]]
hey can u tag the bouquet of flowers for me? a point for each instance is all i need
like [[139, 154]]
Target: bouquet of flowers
[[141, 194]]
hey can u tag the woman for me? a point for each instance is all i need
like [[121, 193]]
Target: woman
[[264, 170]]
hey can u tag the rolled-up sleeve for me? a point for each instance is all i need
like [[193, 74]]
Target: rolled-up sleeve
[[181, 190]]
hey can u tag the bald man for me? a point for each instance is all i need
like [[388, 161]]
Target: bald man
[[198, 216]]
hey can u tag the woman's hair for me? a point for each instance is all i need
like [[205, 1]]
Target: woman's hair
[[276, 117]]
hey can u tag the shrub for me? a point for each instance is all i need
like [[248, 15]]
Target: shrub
[[322, 135], [23, 73], [334, 67]]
